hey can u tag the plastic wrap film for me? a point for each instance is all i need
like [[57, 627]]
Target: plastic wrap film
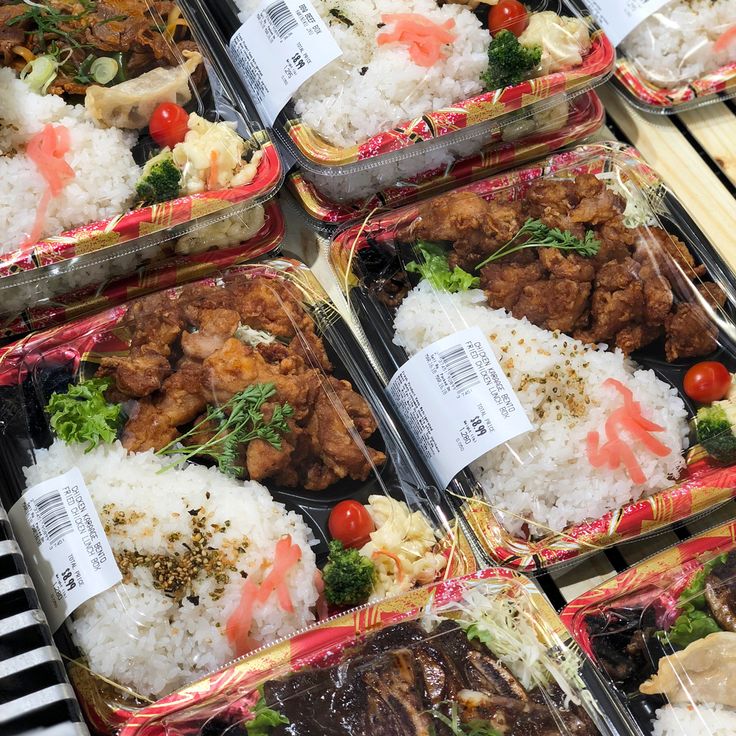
[[596, 294], [100, 191], [366, 143], [662, 634], [680, 57], [232, 241], [516, 146], [248, 375], [483, 654]]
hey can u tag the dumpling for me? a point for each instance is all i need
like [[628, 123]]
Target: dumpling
[[130, 104]]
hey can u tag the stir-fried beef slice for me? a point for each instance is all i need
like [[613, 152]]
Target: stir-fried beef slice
[[574, 718], [396, 704], [720, 593], [330, 701], [11, 35], [689, 329], [488, 675]]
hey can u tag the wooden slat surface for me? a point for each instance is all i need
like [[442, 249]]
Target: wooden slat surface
[[714, 128]]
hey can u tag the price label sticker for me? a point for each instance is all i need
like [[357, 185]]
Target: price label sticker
[[457, 402], [64, 543], [278, 48], [619, 17]]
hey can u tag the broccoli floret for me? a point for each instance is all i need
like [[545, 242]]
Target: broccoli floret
[[508, 61], [159, 181], [348, 576], [715, 432]]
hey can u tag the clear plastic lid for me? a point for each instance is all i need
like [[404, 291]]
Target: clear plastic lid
[[681, 56], [582, 297], [244, 484], [477, 655], [663, 634], [414, 71], [196, 254], [520, 142], [117, 133]]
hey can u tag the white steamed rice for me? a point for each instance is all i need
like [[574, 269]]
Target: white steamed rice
[[544, 475], [346, 107], [133, 633], [684, 720], [675, 44], [105, 172]]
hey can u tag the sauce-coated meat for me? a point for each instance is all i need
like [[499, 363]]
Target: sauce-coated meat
[[624, 295]]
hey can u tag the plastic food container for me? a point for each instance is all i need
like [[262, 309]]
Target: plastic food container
[[212, 565], [680, 57], [364, 658], [584, 117], [558, 489], [104, 212], [657, 630], [191, 256], [349, 147]]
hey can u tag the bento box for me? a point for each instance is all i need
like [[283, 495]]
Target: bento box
[[251, 490], [680, 57], [514, 147], [558, 319], [118, 132], [235, 240], [483, 654], [350, 144], [662, 634]]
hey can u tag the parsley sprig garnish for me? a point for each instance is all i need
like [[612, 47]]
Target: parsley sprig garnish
[[238, 421], [541, 236]]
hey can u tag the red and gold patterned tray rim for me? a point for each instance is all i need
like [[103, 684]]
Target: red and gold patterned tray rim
[[656, 572], [164, 274], [145, 221], [331, 637], [705, 486], [596, 66], [720, 82], [586, 116]]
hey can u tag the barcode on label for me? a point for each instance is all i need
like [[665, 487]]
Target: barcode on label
[[458, 368], [282, 18], [53, 516]]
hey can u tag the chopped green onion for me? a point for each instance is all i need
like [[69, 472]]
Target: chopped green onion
[[104, 70], [39, 73]]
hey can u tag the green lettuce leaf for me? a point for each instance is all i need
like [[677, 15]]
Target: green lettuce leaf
[[434, 267], [82, 414], [264, 719]]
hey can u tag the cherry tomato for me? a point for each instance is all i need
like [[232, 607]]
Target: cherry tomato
[[510, 15], [168, 124], [707, 381], [350, 523]]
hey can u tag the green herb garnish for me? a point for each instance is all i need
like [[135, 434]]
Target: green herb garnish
[[541, 236], [474, 727], [694, 622], [435, 269], [508, 61], [236, 422], [48, 21], [264, 718], [82, 414]]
